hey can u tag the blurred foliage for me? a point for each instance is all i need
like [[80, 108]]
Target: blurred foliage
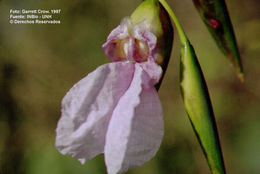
[[39, 63]]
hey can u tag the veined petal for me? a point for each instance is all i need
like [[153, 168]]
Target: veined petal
[[136, 128], [154, 72], [142, 33], [120, 32], [87, 109], [114, 48], [130, 49], [133, 42]]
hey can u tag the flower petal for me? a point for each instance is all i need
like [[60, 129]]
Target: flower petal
[[136, 128], [154, 72], [133, 42], [119, 33], [87, 109], [141, 32], [130, 49]]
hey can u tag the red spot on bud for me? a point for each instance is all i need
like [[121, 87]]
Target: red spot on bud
[[214, 23]]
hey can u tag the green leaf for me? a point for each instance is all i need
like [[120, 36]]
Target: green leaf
[[198, 106], [215, 15]]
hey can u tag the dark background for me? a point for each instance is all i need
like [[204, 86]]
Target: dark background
[[40, 63]]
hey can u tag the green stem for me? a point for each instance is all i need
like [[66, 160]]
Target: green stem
[[182, 35]]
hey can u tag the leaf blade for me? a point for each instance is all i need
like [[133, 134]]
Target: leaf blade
[[215, 15]]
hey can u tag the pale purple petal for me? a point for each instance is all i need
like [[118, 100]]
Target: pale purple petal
[[154, 72], [119, 33], [136, 128], [145, 35], [131, 42], [88, 107], [130, 49]]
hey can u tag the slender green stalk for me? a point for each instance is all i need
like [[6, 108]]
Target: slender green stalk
[[181, 32]]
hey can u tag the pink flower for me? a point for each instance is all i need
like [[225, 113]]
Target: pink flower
[[116, 110]]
